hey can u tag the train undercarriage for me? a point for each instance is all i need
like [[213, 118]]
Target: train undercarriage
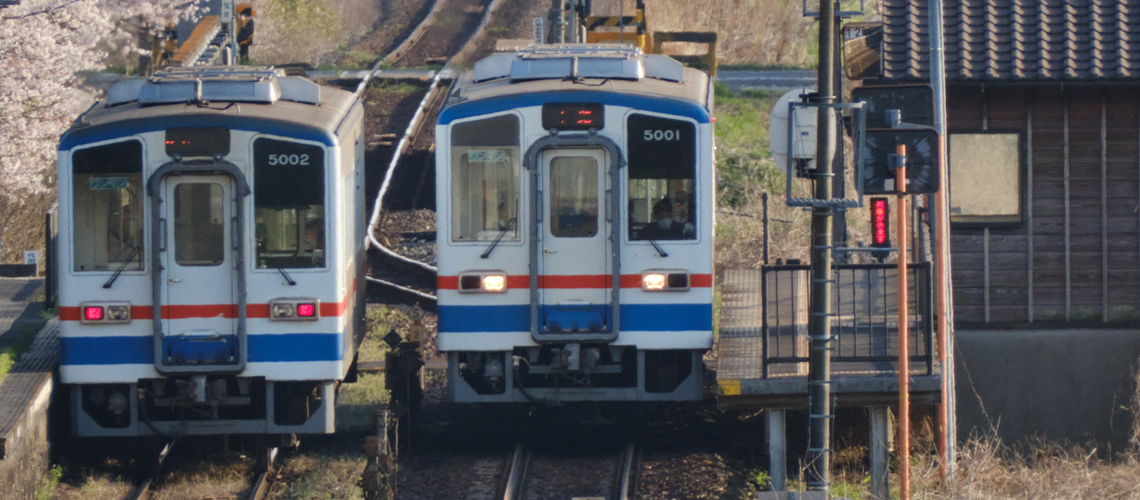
[[202, 405], [575, 372]]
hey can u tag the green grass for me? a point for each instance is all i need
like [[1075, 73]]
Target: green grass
[[394, 87], [11, 354], [743, 157], [46, 490]]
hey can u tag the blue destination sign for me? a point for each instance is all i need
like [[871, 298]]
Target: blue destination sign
[[486, 155], [108, 183]]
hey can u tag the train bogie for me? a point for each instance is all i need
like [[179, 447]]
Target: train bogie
[[575, 190], [211, 254]]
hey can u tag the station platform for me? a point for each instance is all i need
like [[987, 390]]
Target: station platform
[[21, 303], [762, 349]]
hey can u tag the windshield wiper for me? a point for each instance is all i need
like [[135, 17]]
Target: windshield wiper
[[658, 247], [130, 257], [286, 275], [502, 232]]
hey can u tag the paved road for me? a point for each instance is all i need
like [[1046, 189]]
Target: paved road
[[767, 79]]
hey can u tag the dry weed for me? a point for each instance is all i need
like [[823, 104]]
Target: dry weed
[[750, 31], [1040, 470], [290, 31]]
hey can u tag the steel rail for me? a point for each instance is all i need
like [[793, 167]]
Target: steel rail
[[410, 132], [264, 481], [149, 487], [630, 465], [400, 49], [516, 471]]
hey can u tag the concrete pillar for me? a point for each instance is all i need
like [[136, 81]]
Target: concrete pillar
[[777, 449], [880, 450]]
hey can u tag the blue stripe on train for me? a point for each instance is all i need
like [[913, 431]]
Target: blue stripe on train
[[634, 317], [665, 105], [291, 347], [126, 128]]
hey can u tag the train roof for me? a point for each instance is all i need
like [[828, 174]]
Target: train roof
[[607, 73], [248, 98]]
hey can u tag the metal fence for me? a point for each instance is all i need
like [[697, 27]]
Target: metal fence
[[864, 322]]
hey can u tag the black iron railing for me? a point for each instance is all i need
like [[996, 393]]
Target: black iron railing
[[864, 321]]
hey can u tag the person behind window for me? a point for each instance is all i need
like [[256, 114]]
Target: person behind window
[[681, 214], [315, 241], [663, 226]]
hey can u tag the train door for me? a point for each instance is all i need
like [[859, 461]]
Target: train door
[[574, 283], [198, 283]]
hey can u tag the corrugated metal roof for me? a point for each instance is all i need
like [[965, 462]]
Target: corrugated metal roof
[[1016, 40]]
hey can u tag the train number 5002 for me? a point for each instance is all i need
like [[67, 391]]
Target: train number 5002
[[284, 159], [662, 135]]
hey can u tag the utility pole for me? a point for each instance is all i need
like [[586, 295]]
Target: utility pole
[[819, 368]]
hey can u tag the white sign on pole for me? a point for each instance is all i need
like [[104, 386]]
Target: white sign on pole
[[539, 26], [31, 257], [227, 13]]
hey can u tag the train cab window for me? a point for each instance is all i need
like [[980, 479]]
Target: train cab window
[[485, 179], [289, 204], [199, 224], [662, 173], [574, 197], [107, 207]]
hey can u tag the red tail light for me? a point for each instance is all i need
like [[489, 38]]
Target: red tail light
[[306, 310], [93, 313]]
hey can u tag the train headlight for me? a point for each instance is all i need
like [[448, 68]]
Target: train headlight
[[282, 311], [294, 309], [482, 282], [653, 281], [104, 312], [665, 280], [494, 282]]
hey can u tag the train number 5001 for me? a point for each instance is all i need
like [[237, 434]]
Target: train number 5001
[[662, 135]]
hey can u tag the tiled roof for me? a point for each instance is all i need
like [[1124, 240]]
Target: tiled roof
[[1016, 40]]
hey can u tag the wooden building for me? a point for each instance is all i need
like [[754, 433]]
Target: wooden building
[[1043, 105]]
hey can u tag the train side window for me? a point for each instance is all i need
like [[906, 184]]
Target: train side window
[[662, 172], [289, 204], [107, 200], [485, 179]]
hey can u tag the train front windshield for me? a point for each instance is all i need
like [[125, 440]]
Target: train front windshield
[[107, 207], [289, 204], [485, 179], [662, 171]]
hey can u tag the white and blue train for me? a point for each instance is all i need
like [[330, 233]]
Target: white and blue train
[[211, 254], [575, 226]]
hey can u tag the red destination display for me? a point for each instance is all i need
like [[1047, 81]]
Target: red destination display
[[880, 226], [573, 115]]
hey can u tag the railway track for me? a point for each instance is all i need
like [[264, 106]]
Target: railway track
[[540, 475], [260, 485], [410, 161]]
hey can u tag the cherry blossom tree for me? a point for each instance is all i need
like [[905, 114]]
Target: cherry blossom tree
[[44, 44]]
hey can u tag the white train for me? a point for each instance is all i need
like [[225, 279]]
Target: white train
[[211, 254], [575, 192]]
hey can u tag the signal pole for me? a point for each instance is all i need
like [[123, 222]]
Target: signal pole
[[819, 367]]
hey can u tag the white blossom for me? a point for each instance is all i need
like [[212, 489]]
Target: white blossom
[[43, 45]]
